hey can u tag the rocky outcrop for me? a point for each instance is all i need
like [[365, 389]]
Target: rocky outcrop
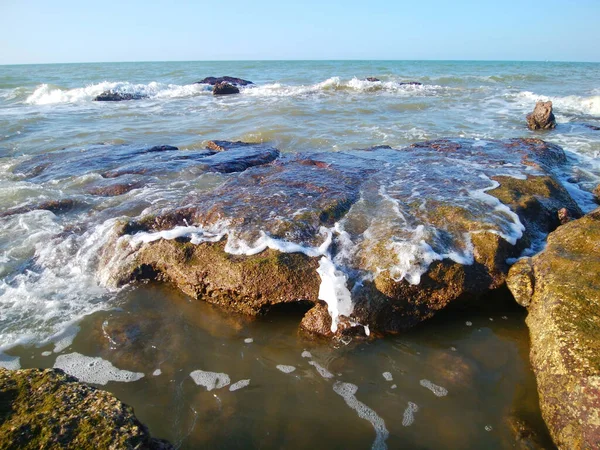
[[230, 80], [560, 289], [542, 117], [225, 89], [382, 236], [114, 96], [49, 409]]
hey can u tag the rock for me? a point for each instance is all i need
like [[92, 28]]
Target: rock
[[596, 193], [542, 117], [560, 287], [403, 244], [230, 80], [372, 79], [592, 127], [113, 161], [525, 436], [410, 83], [564, 216], [113, 190], [49, 409], [225, 89], [55, 206], [113, 96]]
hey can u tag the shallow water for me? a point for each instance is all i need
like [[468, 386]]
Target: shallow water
[[52, 289], [477, 362]]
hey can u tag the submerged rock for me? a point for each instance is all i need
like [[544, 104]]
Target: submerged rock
[[560, 288], [114, 96], [382, 238], [230, 80], [49, 409], [542, 117], [225, 89]]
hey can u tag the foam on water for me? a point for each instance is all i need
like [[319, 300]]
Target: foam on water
[[38, 305], [285, 369], [156, 373], [571, 103], [408, 418], [322, 370], [10, 362], [94, 370], [306, 354], [348, 392], [46, 94], [210, 380], [439, 391], [239, 385], [388, 376]]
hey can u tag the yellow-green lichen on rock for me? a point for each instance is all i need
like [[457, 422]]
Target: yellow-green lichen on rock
[[561, 289]]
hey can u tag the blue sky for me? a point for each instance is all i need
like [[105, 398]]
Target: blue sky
[[35, 31]]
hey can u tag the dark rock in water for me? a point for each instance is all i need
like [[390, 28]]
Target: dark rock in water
[[116, 161], [55, 206], [542, 117], [559, 287], [225, 89], [411, 83], [593, 127], [114, 96], [525, 436], [49, 409], [372, 79], [217, 80], [400, 234]]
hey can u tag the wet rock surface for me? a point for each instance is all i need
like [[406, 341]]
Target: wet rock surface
[[114, 96], [49, 409], [226, 79], [542, 117], [394, 235], [55, 206], [560, 289], [225, 89], [117, 161]]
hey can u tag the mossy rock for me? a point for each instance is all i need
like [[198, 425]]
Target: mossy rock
[[561, 289], [51, 410]]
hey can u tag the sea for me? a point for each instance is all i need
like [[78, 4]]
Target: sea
[[205, 378]]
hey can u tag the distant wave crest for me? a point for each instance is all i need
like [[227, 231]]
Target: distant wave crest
[[573, 104]]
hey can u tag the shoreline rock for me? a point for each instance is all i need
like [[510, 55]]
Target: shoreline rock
[[225, 89], [542, 117], [296, 198], [560, 288], [46, 408]]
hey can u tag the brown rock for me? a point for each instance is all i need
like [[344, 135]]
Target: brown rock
[[596, 193], [560, 287], [225, 89], [542, 117]]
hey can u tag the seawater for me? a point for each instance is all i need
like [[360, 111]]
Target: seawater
[[53, 301]]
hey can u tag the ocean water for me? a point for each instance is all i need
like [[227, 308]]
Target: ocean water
[[54, 298]]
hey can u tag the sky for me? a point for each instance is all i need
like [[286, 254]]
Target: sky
[[63, 31]]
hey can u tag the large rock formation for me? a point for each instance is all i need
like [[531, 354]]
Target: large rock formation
[[561, 289], [378, 237], [542, 117], [51, 410]]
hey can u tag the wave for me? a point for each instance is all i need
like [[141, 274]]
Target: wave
[[46, 94], [573, 104]]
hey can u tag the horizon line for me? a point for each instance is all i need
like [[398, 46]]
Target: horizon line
[[302, 60]]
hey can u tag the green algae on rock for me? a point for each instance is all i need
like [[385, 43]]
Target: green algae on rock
[[49, 409], [561, 289]]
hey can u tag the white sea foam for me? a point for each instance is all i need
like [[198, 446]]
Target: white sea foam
[[210, 380], [388, 376], [572, 103], [334, 292], [322, 370], [94, 370], [157, 372], [239, 385], [408, 418], [285, 369], [10, 362], [439, 391], [306, 354], [348, 392], [248, 340], [46, 94]]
